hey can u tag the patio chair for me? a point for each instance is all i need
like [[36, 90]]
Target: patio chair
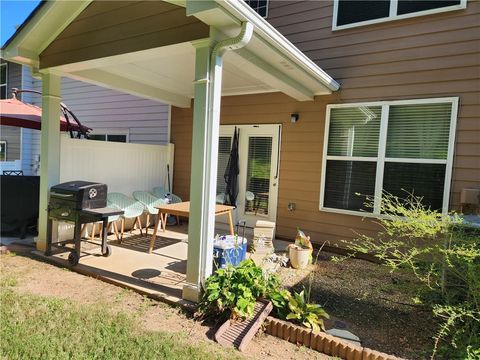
[[132, 209], [112, 222], [160, 193], [149, 201]]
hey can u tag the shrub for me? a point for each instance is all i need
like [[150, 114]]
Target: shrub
[[444, 254], [232, 293]]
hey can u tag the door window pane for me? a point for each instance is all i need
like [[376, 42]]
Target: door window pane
[[224, 147], [350, 12], [347, 183], [419, 131], [425, 180], [258, 174], [354, 131]]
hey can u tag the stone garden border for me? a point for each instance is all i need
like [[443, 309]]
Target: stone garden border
[[325, 343]]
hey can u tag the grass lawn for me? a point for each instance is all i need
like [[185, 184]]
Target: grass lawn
[[35, 327]]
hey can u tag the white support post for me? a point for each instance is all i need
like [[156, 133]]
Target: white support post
[[50, 148], [203, 176]]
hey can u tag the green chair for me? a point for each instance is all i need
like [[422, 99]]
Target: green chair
[[149, 202], [132, 209], [160, 193]]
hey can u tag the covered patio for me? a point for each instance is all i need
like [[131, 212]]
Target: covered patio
[[170, 51]]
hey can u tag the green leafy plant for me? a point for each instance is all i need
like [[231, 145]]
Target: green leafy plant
[[233, 291], [305, 313], [444, 255]]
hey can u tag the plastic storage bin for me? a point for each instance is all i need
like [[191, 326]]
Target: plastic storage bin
[[229, 249]]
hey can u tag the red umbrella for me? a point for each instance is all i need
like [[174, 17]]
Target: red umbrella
[[14, 112]]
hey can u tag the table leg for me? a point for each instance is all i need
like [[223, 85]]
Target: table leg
[[230, 220], [154, 234]]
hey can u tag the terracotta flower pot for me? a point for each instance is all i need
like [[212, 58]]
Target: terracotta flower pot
[[299, 257]]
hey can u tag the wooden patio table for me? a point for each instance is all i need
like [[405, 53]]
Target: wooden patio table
[[183, 209]]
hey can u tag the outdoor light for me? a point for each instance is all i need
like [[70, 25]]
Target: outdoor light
[[294, 117]]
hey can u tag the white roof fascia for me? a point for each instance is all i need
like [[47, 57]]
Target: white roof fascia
[[273, 37], [49, 20]]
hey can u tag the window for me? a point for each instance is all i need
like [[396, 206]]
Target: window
[[399, 147], [351, 13], [109, 136], [260, 6], [3, 81]]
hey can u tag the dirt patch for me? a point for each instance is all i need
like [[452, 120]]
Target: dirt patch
[[367, 300], [29, 275]]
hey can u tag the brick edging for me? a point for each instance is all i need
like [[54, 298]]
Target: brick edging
[[322, 342]]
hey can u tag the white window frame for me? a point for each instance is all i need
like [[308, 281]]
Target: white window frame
[[6, 79], [393, 14], [108, 132], [381, 158]]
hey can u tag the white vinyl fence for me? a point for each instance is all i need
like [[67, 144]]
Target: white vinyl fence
[[123, 167]]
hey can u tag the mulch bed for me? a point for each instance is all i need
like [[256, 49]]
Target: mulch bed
[[367, 300]]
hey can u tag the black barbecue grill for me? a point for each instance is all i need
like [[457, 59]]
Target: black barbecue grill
[[80, 202]]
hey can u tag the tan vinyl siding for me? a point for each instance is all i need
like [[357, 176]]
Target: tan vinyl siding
[[102, 109], [422, 57], [129, 26]]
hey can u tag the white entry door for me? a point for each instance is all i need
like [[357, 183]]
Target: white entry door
[[259, 150]]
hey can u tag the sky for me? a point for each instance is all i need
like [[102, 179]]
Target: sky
[[12, 14]]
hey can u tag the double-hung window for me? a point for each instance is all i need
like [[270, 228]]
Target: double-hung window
[[399, 147], [352, 13], [3, 81]]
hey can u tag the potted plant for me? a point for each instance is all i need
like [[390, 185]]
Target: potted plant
[[300, 253]]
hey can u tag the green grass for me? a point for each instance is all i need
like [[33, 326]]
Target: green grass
[[34, 327]]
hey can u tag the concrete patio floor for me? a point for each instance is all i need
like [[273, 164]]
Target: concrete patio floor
[[159, 275]]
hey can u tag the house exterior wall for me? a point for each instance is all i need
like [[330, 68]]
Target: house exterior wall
[[104, 110], [142, 25], [422, 57], [10, 134]]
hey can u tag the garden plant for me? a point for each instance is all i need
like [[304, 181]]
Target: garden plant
[[444, 255]]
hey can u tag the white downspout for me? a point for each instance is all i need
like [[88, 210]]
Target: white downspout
[[215, 94]]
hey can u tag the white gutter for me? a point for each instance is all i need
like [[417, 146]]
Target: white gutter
[[244, 12]]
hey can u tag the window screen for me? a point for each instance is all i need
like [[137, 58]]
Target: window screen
[[350, 12], [3, 81], [260, 6], [412, 6]]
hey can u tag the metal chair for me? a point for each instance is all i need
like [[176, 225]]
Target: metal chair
[[132, 209]]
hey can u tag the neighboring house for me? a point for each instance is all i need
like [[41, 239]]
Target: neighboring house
[[112, 115], [406, 115]]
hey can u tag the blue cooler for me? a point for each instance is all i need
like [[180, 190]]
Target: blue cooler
[[229, 249]]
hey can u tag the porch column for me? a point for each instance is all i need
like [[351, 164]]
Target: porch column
[[203, 175], [50, 148]]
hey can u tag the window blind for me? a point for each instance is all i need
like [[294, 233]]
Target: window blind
[[354, 131], [419, 131], [258, 172]]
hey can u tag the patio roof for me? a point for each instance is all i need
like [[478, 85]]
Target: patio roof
[[268, 63]]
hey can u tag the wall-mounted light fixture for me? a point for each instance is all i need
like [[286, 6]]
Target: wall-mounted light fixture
[[294, 117]]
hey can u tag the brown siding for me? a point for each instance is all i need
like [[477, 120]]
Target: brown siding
[[423, 57], [129, 26]]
